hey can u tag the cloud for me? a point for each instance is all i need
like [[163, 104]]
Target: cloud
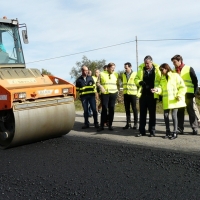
[[58, 28]]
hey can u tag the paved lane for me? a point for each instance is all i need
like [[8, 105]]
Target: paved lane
[[107, 165]]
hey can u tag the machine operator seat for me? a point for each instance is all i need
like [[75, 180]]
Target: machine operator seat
[[4, 57]]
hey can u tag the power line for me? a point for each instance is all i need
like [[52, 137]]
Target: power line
[[108, 47], [166, 40], [82, 52]]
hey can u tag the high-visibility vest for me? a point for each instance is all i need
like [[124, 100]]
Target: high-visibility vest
[[139, 77], [95, 81], [185, 75], [129, 86], [109, 82], [170, 89]]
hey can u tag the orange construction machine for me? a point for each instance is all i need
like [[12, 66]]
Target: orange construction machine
[[33, 106]]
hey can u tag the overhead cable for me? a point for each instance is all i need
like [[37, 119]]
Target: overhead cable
[[107, 47]]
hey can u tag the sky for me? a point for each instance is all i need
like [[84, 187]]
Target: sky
[[69, 29]]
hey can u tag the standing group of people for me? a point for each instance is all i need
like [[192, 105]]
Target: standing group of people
[[151, 83]]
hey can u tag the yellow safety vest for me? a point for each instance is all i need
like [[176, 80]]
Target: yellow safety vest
[[95, 81], [129, 87], [109, 82], [170, 89], [139, 77], [185, 75]]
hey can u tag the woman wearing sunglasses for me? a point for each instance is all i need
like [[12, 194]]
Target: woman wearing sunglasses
[[173, 90]]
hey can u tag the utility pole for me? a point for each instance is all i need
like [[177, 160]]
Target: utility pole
[[136, 52]]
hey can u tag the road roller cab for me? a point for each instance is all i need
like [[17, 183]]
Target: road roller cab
[[33, 106]]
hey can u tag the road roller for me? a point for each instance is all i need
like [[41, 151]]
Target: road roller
[[33, 106]]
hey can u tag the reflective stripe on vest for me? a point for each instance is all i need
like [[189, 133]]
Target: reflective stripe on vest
[[86, 90], [169, 93], [129, 87], [185, 75]]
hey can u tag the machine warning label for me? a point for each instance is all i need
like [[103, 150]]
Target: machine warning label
[[44, 92], [3, 97], [22, 81]]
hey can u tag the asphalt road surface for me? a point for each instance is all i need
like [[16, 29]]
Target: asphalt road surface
[[86, 164]]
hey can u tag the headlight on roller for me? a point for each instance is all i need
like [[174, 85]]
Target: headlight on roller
[[65, 90], [20, 95]]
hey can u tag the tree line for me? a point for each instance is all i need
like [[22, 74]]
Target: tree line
[[91, 64]]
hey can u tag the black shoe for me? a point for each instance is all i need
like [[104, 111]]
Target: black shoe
[[167, 136], [135, 126], [152, 134], [180, 131], [195, 132], [100, 128], [96, 125], [127, 126], [140, 134], [111, 128], [174, 136], [85, 126]]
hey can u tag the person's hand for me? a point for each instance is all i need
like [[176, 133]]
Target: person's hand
[[102, 89], [153, 90], [98, 84], [142, 83], [178, 98]]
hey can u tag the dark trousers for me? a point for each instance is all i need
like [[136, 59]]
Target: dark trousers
[[108, 107], [89, 110], [130, 100], [191, 113], [86, 100], [147, 102]]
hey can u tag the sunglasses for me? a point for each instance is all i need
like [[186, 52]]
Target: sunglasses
[[161, 69]]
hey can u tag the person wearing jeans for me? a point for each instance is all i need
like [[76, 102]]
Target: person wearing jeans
[[85, 86]]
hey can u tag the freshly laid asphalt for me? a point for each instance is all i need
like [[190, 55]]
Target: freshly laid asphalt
[[86, 164]]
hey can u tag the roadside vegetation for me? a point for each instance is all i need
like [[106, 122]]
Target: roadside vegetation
[[120, 106]]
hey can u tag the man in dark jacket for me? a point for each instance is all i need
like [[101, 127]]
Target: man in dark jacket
[[85, 86], [148, 77], [191, 82]]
